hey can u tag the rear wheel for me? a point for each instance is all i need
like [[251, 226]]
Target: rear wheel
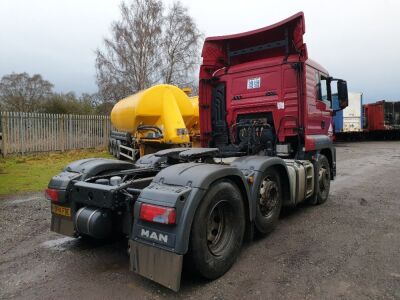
[[324, 179], [269, 202], [218, 230]]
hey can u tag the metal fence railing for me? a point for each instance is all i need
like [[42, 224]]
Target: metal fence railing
[[36, 132]]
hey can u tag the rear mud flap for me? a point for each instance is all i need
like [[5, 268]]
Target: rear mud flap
[[159, 265], [62, 225]]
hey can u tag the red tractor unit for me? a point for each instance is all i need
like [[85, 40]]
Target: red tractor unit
[[266, 135]]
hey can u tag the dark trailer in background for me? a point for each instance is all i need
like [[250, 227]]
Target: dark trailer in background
[[381, 121]]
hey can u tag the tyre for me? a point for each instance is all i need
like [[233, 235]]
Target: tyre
[[217, 230], [269, 201], [323, 179]]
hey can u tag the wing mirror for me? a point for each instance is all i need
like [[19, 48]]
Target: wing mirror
[[343, 95]]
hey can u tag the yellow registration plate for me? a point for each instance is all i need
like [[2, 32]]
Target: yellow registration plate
[[61, 210]]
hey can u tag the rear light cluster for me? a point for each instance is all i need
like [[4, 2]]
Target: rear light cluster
[[51, 194], [157, 214]]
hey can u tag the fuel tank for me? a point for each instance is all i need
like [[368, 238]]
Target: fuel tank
[[161, 113]]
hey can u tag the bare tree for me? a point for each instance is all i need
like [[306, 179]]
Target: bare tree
[[130, 58], [21, 92], [147, 46], [180, 48]]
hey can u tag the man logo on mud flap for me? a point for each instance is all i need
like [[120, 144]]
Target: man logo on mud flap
[[154, 236]]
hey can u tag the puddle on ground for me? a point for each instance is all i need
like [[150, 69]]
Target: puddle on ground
[[23, 200], [58, 244]]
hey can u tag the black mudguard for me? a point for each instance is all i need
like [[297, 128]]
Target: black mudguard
[[94, 166], [82, 169], [182, 186]]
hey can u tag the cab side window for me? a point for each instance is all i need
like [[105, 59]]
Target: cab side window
[[322, 88]]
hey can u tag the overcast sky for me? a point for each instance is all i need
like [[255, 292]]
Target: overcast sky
[[355, 40]]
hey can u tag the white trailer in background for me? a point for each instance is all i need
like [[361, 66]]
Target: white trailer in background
[[352, 114]]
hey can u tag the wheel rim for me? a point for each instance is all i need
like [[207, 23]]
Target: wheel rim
[[268, 196], [323, 179], [219, 227]]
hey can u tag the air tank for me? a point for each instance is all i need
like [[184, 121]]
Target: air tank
[[164, 107]]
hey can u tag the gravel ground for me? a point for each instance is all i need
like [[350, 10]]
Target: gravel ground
[[347, 248]]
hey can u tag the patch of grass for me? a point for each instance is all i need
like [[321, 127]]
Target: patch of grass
[[32, 173]]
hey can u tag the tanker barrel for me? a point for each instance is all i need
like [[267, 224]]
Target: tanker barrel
[[162, 106]]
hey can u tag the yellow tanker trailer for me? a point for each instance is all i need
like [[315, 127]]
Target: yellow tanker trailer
[[159, 117]]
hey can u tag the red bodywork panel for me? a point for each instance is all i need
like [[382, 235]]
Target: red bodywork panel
[[265, 71]]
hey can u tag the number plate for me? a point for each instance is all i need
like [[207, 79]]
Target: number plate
[[61, 210]]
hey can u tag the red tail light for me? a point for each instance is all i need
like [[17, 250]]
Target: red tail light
[[157, 214], [51, 194]]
